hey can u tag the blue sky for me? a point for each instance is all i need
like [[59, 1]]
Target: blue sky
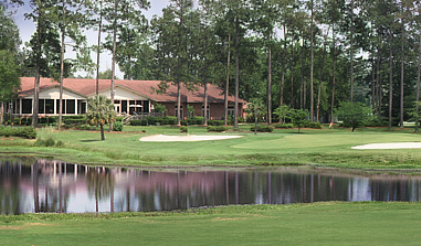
[[27, 28]]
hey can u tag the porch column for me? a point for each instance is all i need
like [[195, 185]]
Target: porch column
[[55, 107], [76, 104], [20, 106]]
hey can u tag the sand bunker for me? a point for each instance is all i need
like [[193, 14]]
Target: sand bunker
[[187, 138], [407, 145]]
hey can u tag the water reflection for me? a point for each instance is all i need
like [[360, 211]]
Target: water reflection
[[54, 186]]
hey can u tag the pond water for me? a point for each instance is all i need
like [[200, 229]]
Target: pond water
[[29, 185]]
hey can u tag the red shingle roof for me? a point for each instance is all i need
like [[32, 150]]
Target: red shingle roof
[[147, 88]]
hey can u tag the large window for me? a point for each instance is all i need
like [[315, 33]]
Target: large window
[[49, 106], [181, 112], [70, 106], [207, 112], [26, 106]]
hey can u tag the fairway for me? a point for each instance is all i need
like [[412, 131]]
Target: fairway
[[305, 224]]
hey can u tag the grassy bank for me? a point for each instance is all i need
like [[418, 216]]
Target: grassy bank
[[305, 224], [310, 147]]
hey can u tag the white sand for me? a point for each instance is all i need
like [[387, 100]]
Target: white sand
[[187, 138], [407, 145]]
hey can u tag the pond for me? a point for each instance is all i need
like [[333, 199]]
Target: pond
[[41, 186]]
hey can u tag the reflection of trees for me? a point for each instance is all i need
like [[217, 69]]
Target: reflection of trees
[[100, 183], [10, 192]]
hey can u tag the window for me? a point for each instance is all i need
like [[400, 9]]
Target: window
[[207, 112], [41, 108], [26, 106], [70, 106], [181, 112], [49, 106], [230, 111]]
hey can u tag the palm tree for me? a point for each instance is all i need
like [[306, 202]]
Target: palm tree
[[100, 112], [256, 109]]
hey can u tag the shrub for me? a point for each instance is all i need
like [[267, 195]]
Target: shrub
[[184, 129], [314, 125], [171, 120], [217, 128], [262, 128], [284, 126], [216, 122], [374, 123], [74, 122], [196, 121], [118, 126], [184, 122], [16, 121], [138, 122], [119, 118], [49, 142], [24, 132]]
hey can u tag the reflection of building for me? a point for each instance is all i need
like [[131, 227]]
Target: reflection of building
[[131, 97], [54, 186]]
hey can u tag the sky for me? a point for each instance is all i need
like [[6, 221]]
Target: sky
[[27, 28]]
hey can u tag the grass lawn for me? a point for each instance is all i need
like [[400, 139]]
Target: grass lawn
[[304, 224], [311, 147]]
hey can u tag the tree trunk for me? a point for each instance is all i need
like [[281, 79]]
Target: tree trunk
[[227, 83], [269, 82], [98, 53], [237, 74], [63, 33], [418, 88], [402, 72], [319, 94], [37, 71], [390, 81], [352, 52], [292, 102], [102, 132], [281, 103], [312, 64], [332, 106], [205, 99], [114, 56]]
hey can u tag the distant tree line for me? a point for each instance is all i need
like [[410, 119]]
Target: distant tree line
[[305, 54]]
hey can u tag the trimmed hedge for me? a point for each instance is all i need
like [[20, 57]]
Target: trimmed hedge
[[74, 122], [24, 132], [217, 128], [184, 129], [216, 122], [262, 129], [314, 125]]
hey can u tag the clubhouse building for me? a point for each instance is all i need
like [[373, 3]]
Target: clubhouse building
[[131, 97]]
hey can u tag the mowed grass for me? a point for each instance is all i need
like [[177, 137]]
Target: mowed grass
[[304, 224], [282, 147]]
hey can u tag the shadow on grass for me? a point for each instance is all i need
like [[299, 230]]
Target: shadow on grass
[[90, 140]]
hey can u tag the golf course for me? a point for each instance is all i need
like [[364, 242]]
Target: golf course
[[324, 223]]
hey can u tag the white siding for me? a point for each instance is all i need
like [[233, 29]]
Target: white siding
[[123, 94], [54, 93]]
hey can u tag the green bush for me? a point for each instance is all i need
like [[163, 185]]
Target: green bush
[[139, 122], [314, 125], [184, 129], [49, 142], [184, 122], [172, 120], [74, 122], [217, 128], [284, 126], [374, 123], [216, 122], [24, 132], [262, 128], [196, 121], [118, 126], [16, 121]]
